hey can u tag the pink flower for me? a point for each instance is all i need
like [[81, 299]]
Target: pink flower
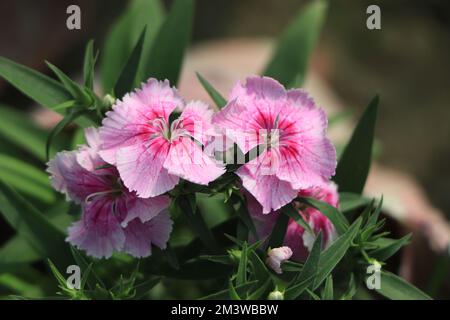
[[297, 155], [113, 218], [276, 256], [299, 240], [150, 152]]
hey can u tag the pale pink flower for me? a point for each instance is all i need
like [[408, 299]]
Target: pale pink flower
[[297, 238], [298, 154], [276, 256], [150, 152], [113, 218]]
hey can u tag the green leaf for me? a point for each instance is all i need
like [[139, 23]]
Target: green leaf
[[396, 288], [331, 256], [69, 118], [26, 178], [89, 63], [16, 252], [75, 90], [166, 55], [353, 166], [224, 294], [259, 269], [300, 283], [33, 226], [126, 81], [290, 59], [349, 201], [77, 138], [185, 205], [293, 214], [339, 221], [261, 291], [213, 93], [328, 291], [16, 127], [241, 276], [388, 247], [232, 291], [123, 36], [35, 85], [278, 232]]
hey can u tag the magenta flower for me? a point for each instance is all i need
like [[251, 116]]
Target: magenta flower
[[113, 218], [297, 238], [297, 155], [152, 153]]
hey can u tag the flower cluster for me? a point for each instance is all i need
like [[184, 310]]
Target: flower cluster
[[152, 138]]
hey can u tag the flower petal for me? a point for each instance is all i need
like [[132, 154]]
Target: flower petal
[[188, 161], [144, 209], [141, 168]]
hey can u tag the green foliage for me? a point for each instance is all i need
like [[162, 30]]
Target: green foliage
[[292, 53], [213, 93]]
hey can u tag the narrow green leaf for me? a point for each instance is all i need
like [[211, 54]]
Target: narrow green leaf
[[17, 128], [126, 81], [339, 221], [388, 247], [33, 226], [290, 59], [35, 85], [259, 269], [299, 284], [123, 36], [172, 257], [70, 117], [89, 63], [166, 55], [16, 252], [261, 291], [278, 232], [353, 166], [185, 205], [331, 256], [224, 294], [241, 276], [84, 262], [297, 217], [396, 288], [218, 99], [77, 138], [232, 291], [328, 291], [349, 201], [26, 178]]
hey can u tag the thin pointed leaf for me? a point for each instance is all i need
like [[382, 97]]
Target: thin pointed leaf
[[224, 294], [396, 288], [33, 226], [328, 291], [123, 36], [261, 291], [241, 276], [218, 99], [353, 166], [331, 256], [339, 221], [75, 90], [70, 117], [33, 84], [126, 81], [88, 66], [232, 291], [389, 247], [26, 178], [293, 214], [166, 55], [292, 54]]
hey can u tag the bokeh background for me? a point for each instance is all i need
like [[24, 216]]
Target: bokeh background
[[406, 62]]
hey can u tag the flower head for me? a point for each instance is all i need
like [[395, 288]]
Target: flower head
[[151, 150], [113, 218], [276, 256], [297, 153]]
